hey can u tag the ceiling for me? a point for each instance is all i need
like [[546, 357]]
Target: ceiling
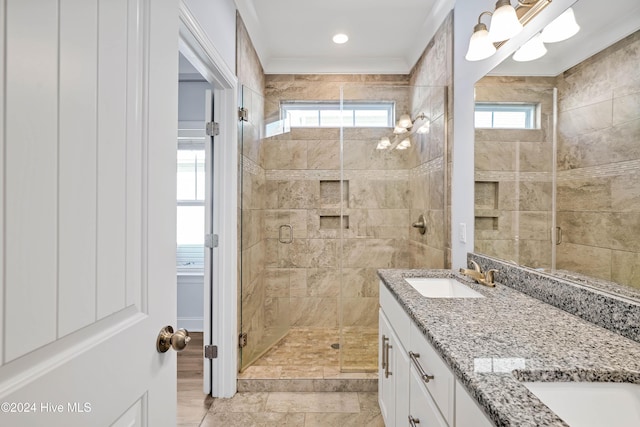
[[385, 37]]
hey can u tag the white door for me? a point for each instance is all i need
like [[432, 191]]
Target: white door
[[87, 206]]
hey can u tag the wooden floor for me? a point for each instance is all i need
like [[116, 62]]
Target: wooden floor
[[193, 404], [267, 409]]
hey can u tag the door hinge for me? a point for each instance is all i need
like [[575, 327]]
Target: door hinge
[[211, 241], [210, 351], [243, 114], [213, 129], [242, 340]]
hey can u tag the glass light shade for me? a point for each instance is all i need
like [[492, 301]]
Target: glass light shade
[[533, 49], [404, 144], [383, 143], [405, 121], [504, 22], [424, 128], [398, 130], [480, 47], [561, 28]]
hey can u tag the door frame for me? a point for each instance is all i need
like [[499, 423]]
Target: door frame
[[220, 291]]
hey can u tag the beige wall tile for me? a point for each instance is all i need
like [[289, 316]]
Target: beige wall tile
[[287, 155], [589, 260], [625, 268], [314, 312]]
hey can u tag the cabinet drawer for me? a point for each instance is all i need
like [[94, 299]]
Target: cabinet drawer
[[423, 408], [441, 386], [398, 318]]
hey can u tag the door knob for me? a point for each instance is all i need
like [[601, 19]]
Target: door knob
[[167, 339]]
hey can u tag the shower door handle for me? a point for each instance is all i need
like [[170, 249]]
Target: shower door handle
[[282, 236]]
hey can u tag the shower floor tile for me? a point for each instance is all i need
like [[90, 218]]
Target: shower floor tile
[[307, 353]]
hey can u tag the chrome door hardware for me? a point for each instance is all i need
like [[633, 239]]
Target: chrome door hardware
[[421, 224], [387, 346], [243, 114], [414, 358], [558, 235], [285, 237], [168, 339], [213, 129], [211, 241], [384, 355], [413, 421], [242, 340], [210, 351]]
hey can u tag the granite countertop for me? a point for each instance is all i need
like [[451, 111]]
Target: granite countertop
[[493, 343]]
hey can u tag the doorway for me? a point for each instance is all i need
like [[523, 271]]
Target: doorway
[[193, 219]]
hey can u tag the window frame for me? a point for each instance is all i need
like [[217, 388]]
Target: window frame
[[191, 143], [388, 106], [530, 110]]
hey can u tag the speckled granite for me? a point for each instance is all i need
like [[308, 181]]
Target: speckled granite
[[610, 305], [491, 343]]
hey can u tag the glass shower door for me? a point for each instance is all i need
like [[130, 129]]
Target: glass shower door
[[264, 303]]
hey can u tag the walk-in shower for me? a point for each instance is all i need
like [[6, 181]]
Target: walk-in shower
[[324, 206]]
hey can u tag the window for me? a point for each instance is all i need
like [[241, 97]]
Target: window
[[190, 204], [505, 115], [329, 114]]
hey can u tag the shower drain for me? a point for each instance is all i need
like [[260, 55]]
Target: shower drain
[[335, 346]]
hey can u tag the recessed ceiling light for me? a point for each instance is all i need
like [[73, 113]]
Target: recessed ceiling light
[[340, 38]]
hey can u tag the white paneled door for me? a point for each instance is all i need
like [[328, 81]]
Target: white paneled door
[[88, 113]]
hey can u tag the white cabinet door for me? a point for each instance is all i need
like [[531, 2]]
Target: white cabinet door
[[401, 373], [468, 412], [386, 379], [87, 205]]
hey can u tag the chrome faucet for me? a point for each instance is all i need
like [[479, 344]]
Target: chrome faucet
[[476, 274]]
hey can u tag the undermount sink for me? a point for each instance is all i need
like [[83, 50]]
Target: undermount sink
[[586, 404], [441, 288]]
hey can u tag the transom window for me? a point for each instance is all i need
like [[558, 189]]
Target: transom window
[[494, 115], [329, 114]]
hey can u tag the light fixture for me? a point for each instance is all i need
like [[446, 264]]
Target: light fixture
[[406, 143], [405, 121], [424, 128], [561, 28], [404, 128], [533, 49], [384, 143], [340, 38], [504, 22], [480, 47]]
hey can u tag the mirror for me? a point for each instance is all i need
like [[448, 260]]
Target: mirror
[[563, 194]]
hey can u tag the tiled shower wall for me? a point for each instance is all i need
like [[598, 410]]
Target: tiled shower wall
[[513, 176], [429, 176], [294, 179], [303, 189], [599, 164]]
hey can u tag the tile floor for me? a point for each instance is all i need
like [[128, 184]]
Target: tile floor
[[306, 353], [286, 408]]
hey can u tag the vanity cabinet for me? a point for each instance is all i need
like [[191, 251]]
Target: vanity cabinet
[[415, 386]]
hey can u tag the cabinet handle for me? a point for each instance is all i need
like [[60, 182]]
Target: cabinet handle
[[386, 371], [414, 358], [383, 352], [413, 421]]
